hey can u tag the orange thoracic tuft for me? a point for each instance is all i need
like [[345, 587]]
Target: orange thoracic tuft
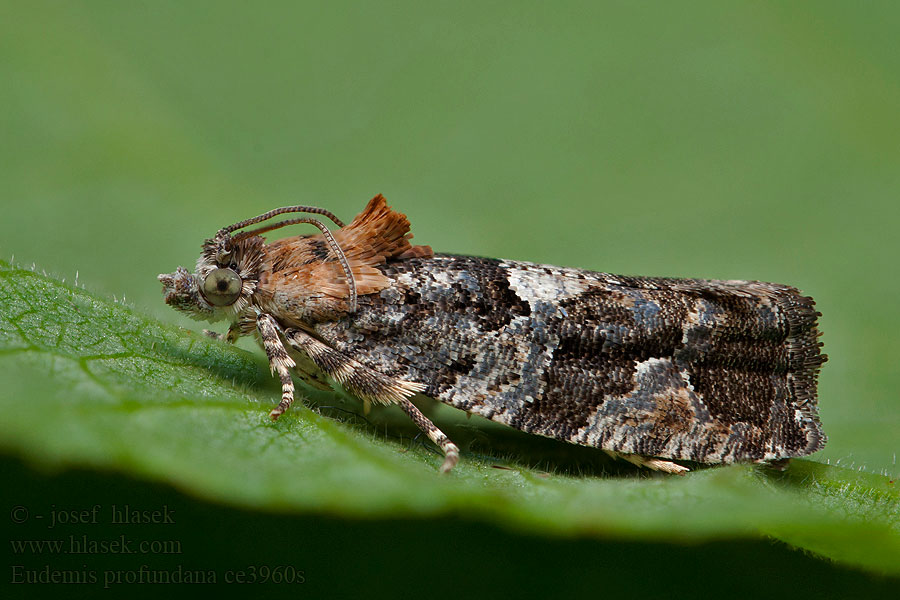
[[305, 265], [377, 234]]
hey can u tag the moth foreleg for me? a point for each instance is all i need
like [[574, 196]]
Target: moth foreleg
[[230, 336], [450, 450], [279, 361]]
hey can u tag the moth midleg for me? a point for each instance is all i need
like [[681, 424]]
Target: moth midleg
[[371, 385], [279, 361], [360, 380], [450, 450]]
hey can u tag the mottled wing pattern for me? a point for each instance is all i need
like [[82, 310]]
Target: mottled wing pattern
[[701, 370]]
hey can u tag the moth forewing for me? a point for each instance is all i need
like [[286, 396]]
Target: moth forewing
[[652, 369]]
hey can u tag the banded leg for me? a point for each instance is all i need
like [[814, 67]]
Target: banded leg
[[371, 385], [278, 361], [450, 450], [360, 380]]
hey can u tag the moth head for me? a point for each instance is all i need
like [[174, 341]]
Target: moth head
[[224, 282], [228, 269]]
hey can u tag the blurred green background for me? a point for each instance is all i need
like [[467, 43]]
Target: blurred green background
[[751, 140]]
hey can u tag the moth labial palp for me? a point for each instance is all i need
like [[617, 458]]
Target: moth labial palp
[[652, 370]]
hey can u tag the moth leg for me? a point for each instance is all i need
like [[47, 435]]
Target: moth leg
[[230, 336], [279, 361], [779, 464], [450, 450], [372, 386], [361, 381], [654, 464], [666, 466]]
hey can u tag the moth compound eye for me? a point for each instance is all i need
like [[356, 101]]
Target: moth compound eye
[[222, 287]]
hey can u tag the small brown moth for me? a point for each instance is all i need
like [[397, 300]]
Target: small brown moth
[[649, 369]]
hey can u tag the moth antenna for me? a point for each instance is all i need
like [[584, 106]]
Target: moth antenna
[[335, 247], [280, 211]]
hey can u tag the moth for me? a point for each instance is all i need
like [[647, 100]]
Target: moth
[[653, 370]]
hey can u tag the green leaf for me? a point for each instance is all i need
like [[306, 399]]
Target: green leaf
[[91, 383]]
